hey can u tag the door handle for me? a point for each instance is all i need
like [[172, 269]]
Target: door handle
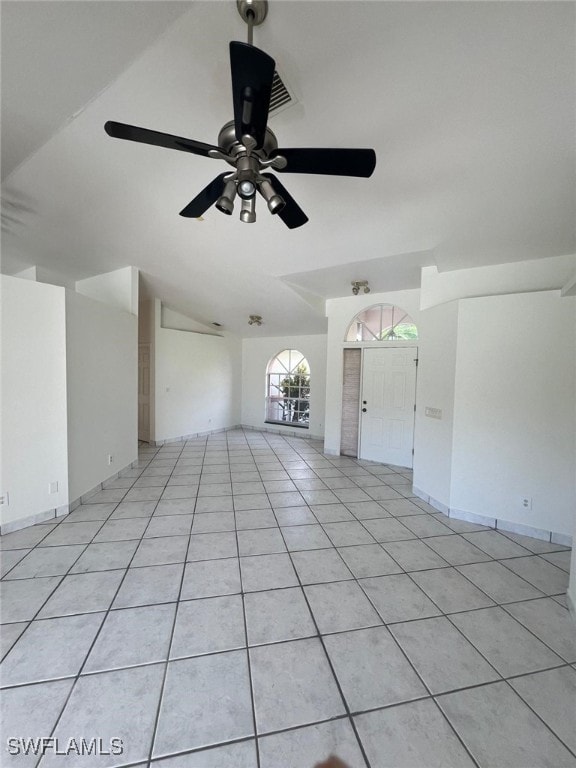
[[364, 410]]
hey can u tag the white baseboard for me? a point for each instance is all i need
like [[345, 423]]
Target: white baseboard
[[472, 517], [65, 509], [284, 431], [430, 500], [193, 436], [25, 522], [494, 522], [524, 530]]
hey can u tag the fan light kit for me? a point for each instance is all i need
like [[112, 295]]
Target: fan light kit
[[248, 145], [254, 320], [357, 284]]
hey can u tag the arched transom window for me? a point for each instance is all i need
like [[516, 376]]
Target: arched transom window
[[288, 389], [382, 322]]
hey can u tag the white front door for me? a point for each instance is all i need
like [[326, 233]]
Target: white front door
[[144, 392], [387, 405]]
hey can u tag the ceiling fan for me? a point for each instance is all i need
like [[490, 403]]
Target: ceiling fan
[[247, 144]]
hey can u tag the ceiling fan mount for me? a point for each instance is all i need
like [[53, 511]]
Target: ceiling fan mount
[[253, 11], [247, 143]]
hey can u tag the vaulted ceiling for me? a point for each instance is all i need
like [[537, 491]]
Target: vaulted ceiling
[[470, 107]]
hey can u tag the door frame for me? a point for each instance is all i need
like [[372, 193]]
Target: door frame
[[382, 345], [145, 345]]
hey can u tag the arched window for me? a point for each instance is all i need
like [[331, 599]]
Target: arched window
[[288, 389], [382, 322]]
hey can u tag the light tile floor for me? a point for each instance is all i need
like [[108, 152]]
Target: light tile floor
[[242, 600]]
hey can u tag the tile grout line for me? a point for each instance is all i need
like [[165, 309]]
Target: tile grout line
[[543, 596], [166, 663], [531, 708], [400, 648], [248, 658], [318, 635], [496, 604], [354, 713], [65, 520], [333, 547], [501, 678], [60, 577], [381, 544], [77, 676], [412, 666], [308, 584], [352, 577], [329, 661], [562, 662]]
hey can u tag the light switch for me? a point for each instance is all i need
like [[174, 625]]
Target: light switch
[[433, 413]]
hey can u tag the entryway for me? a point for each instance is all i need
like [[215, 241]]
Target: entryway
[[379, 402]]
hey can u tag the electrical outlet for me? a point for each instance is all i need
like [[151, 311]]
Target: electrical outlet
[[110, 458], [526, 502], [4, 499], [53, 487]]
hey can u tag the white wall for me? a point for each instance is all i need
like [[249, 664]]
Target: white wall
[[519, 277], [515, 409], [33, 398], [569, 287], [257, 353], [340, 313], [102, 370], [169, 318], [118, 288], [30, 273], [435, 389], [197, 381], [572, 584]]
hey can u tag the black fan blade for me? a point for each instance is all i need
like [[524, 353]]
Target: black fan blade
[[252, 74], [292, 215], [205, 199], [332, 162], [133, 133]]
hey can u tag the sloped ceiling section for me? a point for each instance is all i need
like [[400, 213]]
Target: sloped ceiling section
[[469, 106], [57, 56]]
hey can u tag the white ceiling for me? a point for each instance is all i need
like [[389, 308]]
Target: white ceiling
[[470, 107], [57, 56]]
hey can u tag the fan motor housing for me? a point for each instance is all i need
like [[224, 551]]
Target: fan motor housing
[[228, 142]]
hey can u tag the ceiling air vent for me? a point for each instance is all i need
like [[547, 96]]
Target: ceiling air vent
[[281, 97]]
